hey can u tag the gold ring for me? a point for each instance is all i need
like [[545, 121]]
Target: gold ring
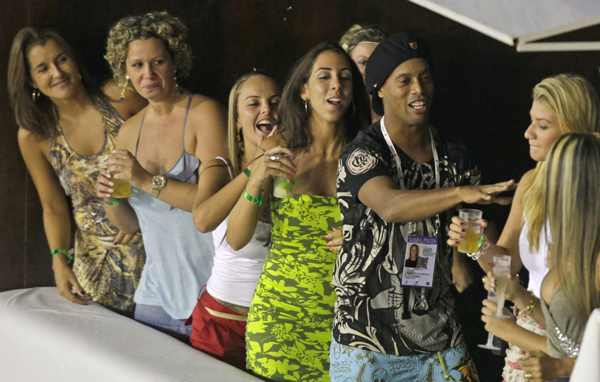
[[483, 279], [527, 375]]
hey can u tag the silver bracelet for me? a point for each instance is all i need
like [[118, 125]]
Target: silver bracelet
[[481, 251]]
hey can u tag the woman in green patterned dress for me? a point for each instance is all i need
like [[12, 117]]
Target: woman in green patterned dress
[[67, 131], [323, 106]]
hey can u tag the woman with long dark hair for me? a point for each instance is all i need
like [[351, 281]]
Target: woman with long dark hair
[[324, 105], [67, 131]]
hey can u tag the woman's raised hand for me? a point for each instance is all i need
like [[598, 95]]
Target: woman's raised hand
[[277, 161], [458, 230]]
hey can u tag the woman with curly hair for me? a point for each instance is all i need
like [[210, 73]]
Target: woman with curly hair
[[359, 42], [324, 105], [67, 131], [168, 152]]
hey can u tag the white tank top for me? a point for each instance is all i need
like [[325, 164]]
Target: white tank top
[[534, 262], [235, 273]]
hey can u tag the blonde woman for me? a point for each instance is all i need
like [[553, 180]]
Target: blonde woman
[[359, 42], [569, 201], [67, 132], [562, 104], [219, 318], [161, 151]]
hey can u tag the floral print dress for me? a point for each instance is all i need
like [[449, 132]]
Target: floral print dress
[[289, 323], [109, 272]]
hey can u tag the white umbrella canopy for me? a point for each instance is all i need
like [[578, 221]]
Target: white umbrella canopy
[[520, 23]]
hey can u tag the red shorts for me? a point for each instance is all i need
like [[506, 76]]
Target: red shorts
[[219, 331]]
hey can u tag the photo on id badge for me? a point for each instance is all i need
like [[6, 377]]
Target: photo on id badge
[[419, 261]]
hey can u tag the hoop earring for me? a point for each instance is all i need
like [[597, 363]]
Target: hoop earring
[[353, 109], [35, 94], [124, 88], [240, 142]]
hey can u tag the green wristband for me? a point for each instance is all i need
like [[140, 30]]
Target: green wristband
[[64, 252], [253, 199], [247, 172], [113, 203], [481, 240]]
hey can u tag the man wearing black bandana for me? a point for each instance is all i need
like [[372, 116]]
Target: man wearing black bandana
[[400, 179]]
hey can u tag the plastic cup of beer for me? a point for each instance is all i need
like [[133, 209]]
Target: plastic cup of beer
[[501, 271], [122, 188], [471, 242]]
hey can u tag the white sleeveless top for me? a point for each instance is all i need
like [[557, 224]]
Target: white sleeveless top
[[534, 262], [235, 273]]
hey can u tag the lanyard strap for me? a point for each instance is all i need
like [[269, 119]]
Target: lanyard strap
[[436, 161]]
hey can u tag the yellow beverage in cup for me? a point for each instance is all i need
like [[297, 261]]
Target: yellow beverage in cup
[[122, 188], [471, 242]]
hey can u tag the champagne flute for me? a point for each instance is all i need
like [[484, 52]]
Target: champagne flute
[[501, 272], [490, 341]]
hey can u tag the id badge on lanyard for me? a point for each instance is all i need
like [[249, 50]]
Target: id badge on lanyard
[[421, 251]]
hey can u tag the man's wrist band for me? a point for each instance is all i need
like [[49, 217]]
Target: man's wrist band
[[64, 252], [247, 172], [114, 202], [253, 199]]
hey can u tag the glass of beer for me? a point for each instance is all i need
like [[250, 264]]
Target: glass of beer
[[122, 188], [501, 272], [471, 242]]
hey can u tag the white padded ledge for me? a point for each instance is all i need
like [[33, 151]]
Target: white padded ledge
[[45, 337]]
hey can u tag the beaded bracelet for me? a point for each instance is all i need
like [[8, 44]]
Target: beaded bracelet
[[252, 198], [529, 308], [64, 252], [482, 248], [114, 202], [247, 172]]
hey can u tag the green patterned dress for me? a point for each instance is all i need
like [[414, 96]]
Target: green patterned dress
[[109, 272], [289, 323]]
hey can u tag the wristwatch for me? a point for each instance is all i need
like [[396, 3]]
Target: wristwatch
[[158, 183]]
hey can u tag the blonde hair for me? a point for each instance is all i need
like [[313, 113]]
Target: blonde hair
[[357, 34], [232, 117], [576, 105], [170, 30], [570, 202]]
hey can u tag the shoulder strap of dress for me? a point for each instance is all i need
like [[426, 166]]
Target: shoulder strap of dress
[[137, 143], [187, 112], [228, 164]]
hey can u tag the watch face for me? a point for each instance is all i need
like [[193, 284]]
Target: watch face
[[158, 181]]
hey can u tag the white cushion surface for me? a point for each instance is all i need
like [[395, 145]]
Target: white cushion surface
[[45, 337]]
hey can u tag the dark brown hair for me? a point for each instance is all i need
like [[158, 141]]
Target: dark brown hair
[[292, 115], [36, 116]]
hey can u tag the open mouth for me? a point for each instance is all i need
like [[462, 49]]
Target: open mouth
[[419, 106], [265, 126], [335, 101]]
